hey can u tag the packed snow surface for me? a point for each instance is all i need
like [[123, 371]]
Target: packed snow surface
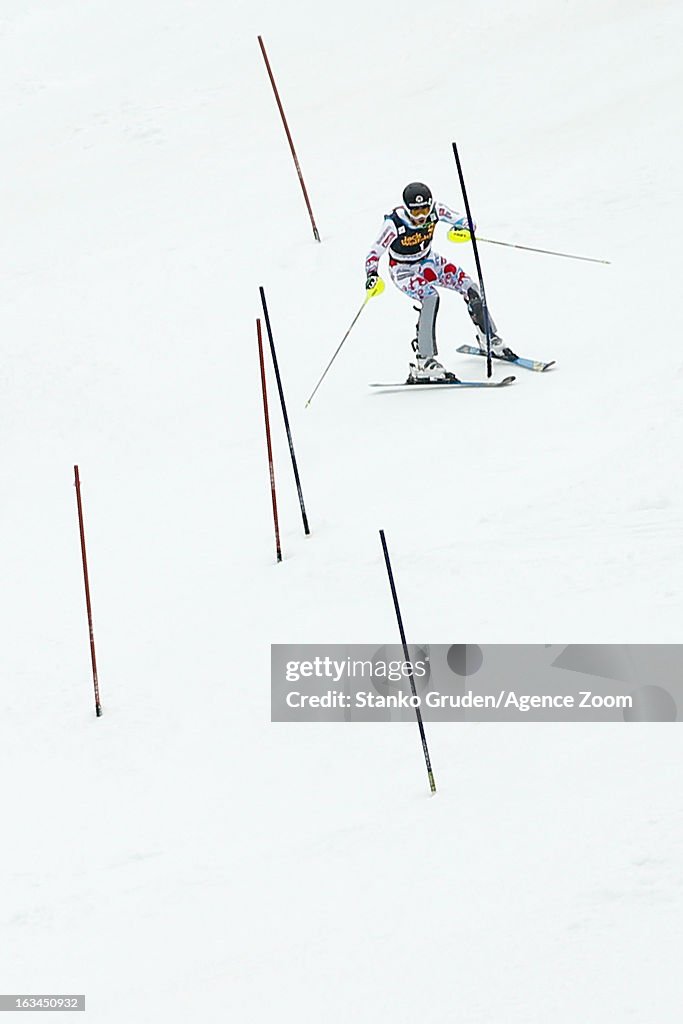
[[182, 858]]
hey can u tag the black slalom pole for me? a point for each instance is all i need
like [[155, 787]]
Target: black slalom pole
[[470, 222], [284, 412], [406, 655]]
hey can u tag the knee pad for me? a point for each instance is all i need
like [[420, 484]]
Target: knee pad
[[429, 274]]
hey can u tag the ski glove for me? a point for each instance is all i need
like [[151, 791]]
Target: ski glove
[[370, 282], [460, 232]]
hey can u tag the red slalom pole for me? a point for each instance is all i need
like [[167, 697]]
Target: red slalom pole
[[77, 483], [268, 442], [289, 139]]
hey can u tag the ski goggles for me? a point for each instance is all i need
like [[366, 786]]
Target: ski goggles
[[420, 212]]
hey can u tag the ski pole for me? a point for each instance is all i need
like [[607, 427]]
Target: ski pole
[[377, 290], [463, 235]]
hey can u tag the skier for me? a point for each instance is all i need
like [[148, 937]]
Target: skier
[[417, 271]]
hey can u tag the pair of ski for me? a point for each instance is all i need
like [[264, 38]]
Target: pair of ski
[[527, 364]]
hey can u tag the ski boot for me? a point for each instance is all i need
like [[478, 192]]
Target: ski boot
[[475, 308], [427, 369], [498, 346]]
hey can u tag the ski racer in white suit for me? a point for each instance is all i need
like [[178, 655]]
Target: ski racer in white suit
[[418, 271]]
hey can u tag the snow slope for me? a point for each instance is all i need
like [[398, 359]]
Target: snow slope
[[182, 858]]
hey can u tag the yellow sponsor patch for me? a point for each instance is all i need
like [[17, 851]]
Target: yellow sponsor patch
[[419, 238]]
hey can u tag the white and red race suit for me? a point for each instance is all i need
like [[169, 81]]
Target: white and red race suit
[[414, 267]]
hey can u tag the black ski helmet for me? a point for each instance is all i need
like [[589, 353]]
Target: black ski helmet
[[417, 194]]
